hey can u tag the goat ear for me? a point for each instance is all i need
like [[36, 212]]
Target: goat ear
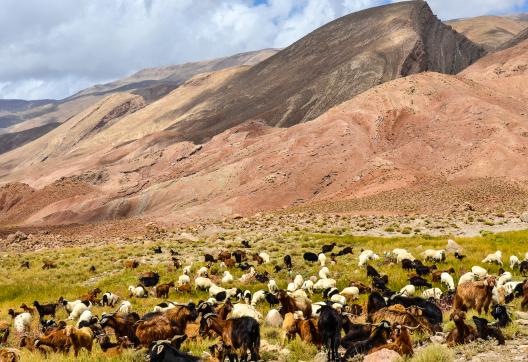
[[159, 349]]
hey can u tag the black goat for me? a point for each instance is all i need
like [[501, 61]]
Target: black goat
[[262, 277], [419, 282], [424, 270], [329, 292], [500, 314], [356, 332], [239, 255], [486, 331], [380, 283], [25, 264], [328, 248], [371, 272], [523, 267], [209, 258], [345, 251], [277, 268], [244, 266], [271, 299], [245, 244], [459, 256], [311, 257], [149, 279], [288, 262], [45, 309], [378, 337], [157, 250], [408, 264], [329, 326], [430, 310], [47, 324], [375, 302], [165, 351]]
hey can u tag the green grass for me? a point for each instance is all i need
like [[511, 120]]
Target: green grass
[[72, 277]]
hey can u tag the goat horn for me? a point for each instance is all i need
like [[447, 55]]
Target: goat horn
[[411, 328], [209, 315]]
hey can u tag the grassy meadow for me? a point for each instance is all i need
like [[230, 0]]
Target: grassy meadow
[[72, 277]]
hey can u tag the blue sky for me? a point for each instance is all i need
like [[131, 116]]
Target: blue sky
[[54, 48]]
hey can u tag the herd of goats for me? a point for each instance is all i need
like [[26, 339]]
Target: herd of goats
[[231, 321]]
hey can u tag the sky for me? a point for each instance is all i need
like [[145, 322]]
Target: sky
[[54, 48]]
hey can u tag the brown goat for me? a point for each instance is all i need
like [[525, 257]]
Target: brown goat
[[399, 315], [524, 303], [436, 275], [290, 304], [162, 290], [113, 349], [402, 342], [48, 264], [474, 295], [229, 263], [57, 339], [123, 325], [91, 296], [4, 331], [27, 309], [363, 288], [131, 264], [462, 333], [9, 355], [257, 258], [80, 338], [224, 255], [184, 288]]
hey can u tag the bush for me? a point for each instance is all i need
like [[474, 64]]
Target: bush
[[434, 353]]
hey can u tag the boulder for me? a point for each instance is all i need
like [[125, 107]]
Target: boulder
[[384, 355]]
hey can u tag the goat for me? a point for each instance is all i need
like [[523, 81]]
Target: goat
[[291, 304], [462, 333], [138, 292], [123, 325], [208, 258], [45, 309], [48, 264], [22, 322], [91, 296], [419, 282], [310, 257], [486, 331], [459, 256], [109, 299], [80, 338], [288, 262], [365, 256], [345, 251], [168, 351], [57, 339], [371, 272], [424, 270], [131, 264], [434, 255], [329, 326], [476, 295], [238, 333], [328, 248], [500, 314], [9, 355], [378, 337], [401, 341], [523, 267], [398, 314], [28, 309], [113, 349], [162, 290], [430, 310], [149, 279]]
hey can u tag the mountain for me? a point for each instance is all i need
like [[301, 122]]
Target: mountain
[[491, 31]]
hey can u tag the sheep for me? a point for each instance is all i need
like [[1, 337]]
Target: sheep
[[80, 338], [258, 296], [404, 256], [202, 272], [273, 318], [462, 333], [298, 280], [476, 295], [480, 272], [238, 333], [504, 278], [365, 256], [467, 277], [187, 270], [138, 292], [248, 277], [203, 283], [291, 287], [78, 310], [22, 322], [486, 331], [227, 278], [85, 317], [408, 290], [447, 280], [245, 310], [514, 261], [350, 293], [45, 309], [308, 286], [162, 290], [324, 284], [434, 293], [265, 257], [322, 259], [434, 255], [272, 286], [125, 307], [493, 258], [184, 279], [109, 299], [323, 273]]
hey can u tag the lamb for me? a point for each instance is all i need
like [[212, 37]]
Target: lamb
[[493, 258], [80, 338], [203, 283], [514, 261], [227, 278], [22, 323], [162, 290], [434, 293], [322, 259], [447, 280], [109, 299], [138, 292], [125, 307], [476, 295]]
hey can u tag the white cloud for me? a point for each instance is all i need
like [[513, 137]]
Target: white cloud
[[53, 48]]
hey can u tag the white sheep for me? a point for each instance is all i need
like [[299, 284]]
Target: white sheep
[[272, 286], [435, 293], [109, 299], [299, 294], [77, 311], [408, 290], [184, 279], [22, 322], [316, 308], [350, 293], [245, 310], [138, 292], [338, 298], [292, 287], [298, 281], [480, 272], [447, 280], [246, 278], [322, 259], [215, 289], [365, 256], [125, 307], [514, 261], [85, 317], [203, 283], [265, 257], [403, 256], [308, 286], [273, 319], [258, 297], [68, 306], [526, 256], [227, 278], [202, 272], [323, 273], [504, 278], [324, 284], [187, 269], [434, 255], [493, 258], [164, 307], [467, 277]]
